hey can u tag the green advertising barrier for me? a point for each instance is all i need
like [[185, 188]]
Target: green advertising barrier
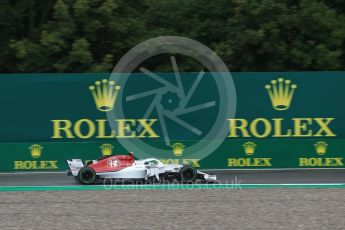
[[237, 154], [249, 120]]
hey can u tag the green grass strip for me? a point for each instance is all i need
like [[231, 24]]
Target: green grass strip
[[164, 187]]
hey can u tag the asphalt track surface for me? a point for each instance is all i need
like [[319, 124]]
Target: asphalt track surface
[[308, 176], [231, 208]]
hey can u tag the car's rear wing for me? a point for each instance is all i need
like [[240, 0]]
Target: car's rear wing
[[74, 166]]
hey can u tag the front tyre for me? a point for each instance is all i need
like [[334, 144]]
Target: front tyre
[[87, 175], [187, 174]]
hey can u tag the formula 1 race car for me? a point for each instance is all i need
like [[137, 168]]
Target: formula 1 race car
[[124, 167]]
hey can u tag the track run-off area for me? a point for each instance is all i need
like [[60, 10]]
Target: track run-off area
[[255, 199]]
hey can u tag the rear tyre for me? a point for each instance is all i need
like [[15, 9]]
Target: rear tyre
[[87, 175], [187, 174]]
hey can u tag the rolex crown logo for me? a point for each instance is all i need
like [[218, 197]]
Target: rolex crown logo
[[36, 150], [178, 149], [249, 148], [281, 92], [106, 149], [321, 147], [104, 94]]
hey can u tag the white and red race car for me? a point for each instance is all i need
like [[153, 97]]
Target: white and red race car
[[125, 167]]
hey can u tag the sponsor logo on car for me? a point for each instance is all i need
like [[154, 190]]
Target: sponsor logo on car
[[112, 163]]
